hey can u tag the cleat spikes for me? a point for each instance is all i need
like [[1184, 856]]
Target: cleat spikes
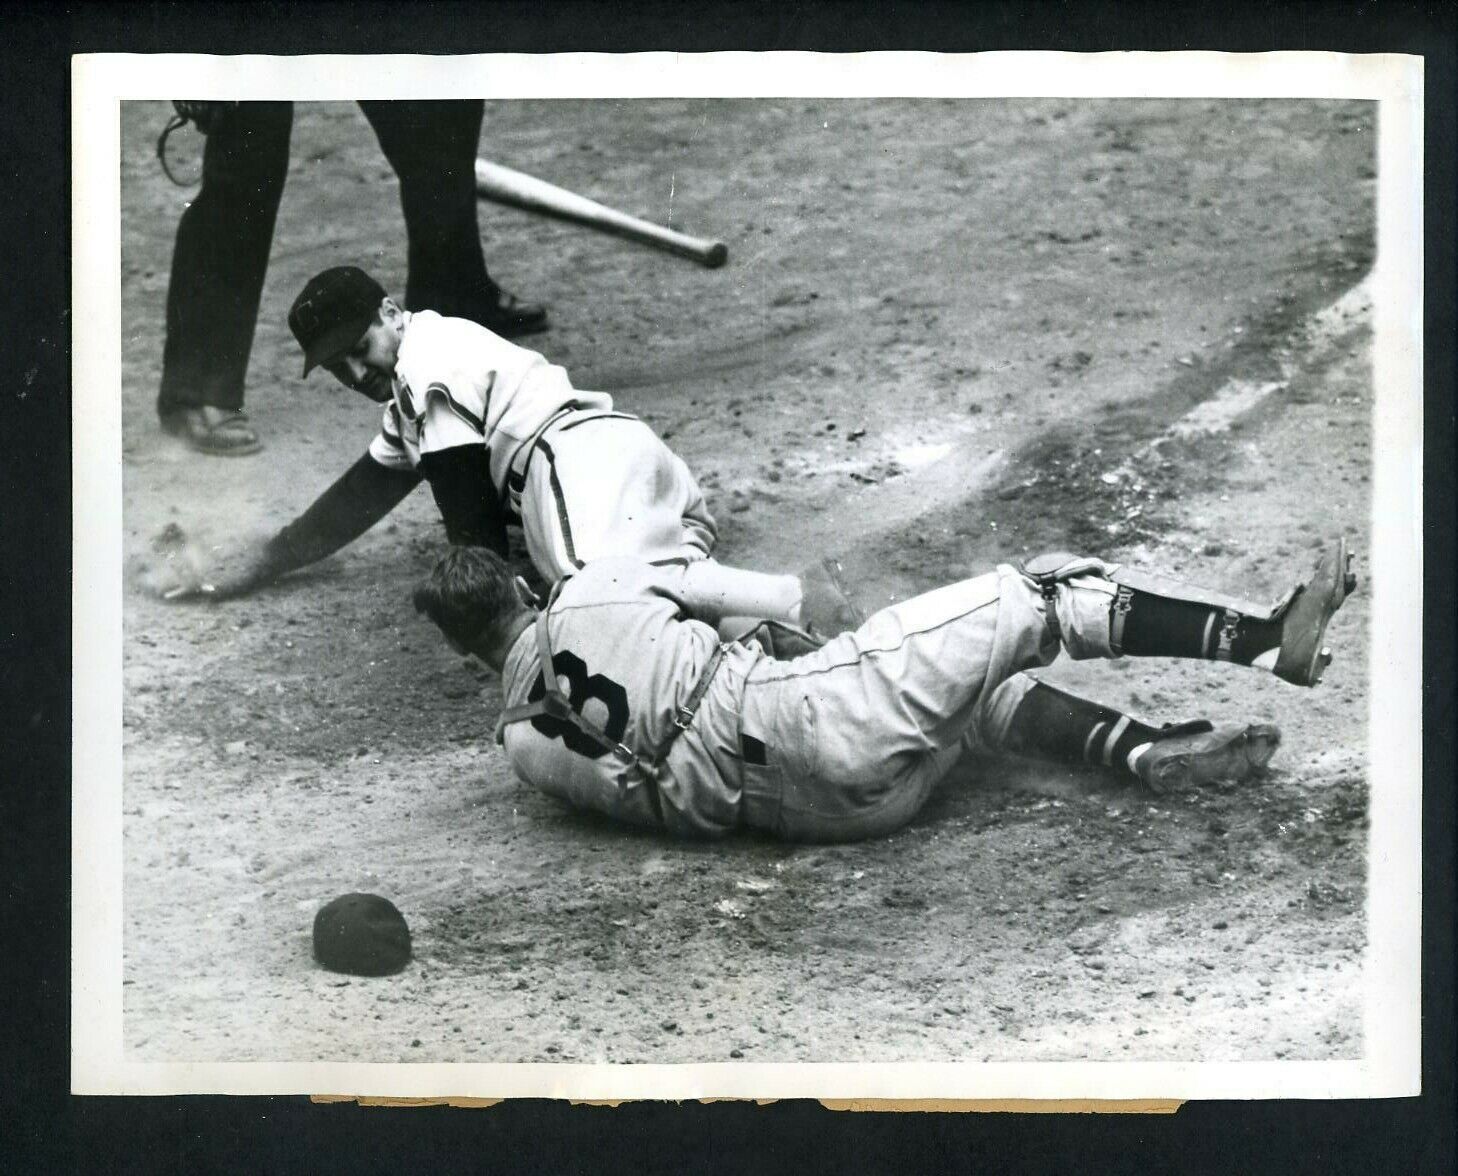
[[1219, 751], [1302, 656]]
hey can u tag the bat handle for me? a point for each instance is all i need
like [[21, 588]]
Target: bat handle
[[710, 254], [717, 255]]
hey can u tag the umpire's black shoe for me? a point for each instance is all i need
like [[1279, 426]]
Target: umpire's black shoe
[[507, 315]]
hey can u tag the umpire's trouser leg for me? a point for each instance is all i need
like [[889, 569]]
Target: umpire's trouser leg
[[221, 257], [432, 147]]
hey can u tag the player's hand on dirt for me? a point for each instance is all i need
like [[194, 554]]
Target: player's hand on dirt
[[239, 570], [173, 566], [181, 569]]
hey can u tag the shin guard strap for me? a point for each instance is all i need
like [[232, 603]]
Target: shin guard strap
[[1049, 589], [1226, 641], [1118, 614]]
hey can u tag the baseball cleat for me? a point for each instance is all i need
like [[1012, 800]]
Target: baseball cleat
[[1302, 658], [1194, 754]]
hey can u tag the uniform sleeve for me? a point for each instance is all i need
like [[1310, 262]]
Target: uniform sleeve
[[387, 448], [454, 415], [446, 376], [356, 501]]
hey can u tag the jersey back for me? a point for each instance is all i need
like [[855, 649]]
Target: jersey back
[[456, 383], [626, 659]]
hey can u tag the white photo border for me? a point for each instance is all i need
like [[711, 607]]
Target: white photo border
[[1392, 1021]]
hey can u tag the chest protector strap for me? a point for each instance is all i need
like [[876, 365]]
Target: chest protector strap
[[556, 705]]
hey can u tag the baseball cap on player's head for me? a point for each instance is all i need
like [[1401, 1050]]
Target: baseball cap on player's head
[[332, 311]]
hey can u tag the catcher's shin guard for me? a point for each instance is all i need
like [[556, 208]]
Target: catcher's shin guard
[[1158, 616]]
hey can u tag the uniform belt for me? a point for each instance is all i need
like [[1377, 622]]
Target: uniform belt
[[516, 468], [583, 415]]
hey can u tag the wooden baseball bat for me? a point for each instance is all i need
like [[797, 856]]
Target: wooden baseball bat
[[508, 186]]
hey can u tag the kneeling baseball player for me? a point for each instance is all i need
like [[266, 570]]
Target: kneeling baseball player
[[501, 434], [619, 699]]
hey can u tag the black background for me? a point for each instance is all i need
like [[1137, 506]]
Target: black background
[[43, 1128]]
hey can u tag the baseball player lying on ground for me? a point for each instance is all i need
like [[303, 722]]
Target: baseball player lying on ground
[[658, 723], [501, 434]]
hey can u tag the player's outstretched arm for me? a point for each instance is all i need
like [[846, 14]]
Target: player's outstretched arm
[[360, 498], [365, 494]]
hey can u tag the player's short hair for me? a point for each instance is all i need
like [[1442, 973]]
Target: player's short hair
[[469, 587]]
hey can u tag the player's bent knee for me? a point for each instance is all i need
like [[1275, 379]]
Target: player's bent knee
[[1076, 593]]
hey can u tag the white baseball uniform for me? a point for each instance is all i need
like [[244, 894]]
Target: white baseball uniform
[[843, 743], [583, 481]]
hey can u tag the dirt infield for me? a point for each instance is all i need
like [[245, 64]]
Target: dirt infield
[[949, 332]]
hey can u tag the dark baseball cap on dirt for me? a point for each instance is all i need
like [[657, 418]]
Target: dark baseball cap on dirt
[[361, 934], [334, 309]]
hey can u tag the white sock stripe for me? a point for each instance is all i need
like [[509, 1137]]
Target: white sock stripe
[[1132, 759], [1205, 650], [1113, 737], [1089, 742]]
